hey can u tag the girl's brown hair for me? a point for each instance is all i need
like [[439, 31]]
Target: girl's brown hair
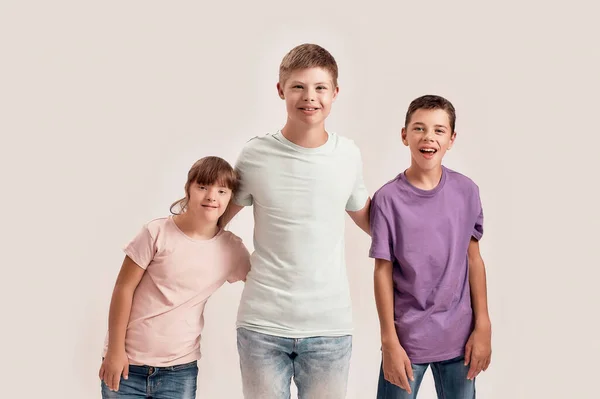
[[207, 171]]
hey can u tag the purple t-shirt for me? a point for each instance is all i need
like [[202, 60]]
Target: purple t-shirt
[[426, 235]]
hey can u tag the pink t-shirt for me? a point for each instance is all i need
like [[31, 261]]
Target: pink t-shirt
[[166, 318]]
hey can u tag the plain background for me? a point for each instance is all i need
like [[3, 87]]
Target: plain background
[[104, 106]]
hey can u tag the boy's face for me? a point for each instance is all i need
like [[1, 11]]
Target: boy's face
[[308, 95], [429, 136]]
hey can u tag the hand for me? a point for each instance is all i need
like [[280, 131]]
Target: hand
[[396, 366], [113, 366], [478, 351]]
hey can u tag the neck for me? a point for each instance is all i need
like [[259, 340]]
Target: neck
[[423, 179], [308, 136], [195, 227]]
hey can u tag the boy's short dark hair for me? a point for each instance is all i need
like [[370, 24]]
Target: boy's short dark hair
[[308, 56], [432, 102]]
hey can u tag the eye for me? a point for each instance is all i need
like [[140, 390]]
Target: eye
[[297, 87], [440, 131], [223, 192], [321, 88], [418, 128], [202, 187]]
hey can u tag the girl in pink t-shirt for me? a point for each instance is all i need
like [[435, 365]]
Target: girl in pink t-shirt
[[171, 268]]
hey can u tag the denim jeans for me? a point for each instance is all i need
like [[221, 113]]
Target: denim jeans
[[174, 382], [450, 378], [318, 365]]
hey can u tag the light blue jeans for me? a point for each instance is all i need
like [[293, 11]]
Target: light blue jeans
[[450, 378], [318, 365]]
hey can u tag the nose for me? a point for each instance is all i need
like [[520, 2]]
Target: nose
[[429, 135], [211, 195], [309, 94]]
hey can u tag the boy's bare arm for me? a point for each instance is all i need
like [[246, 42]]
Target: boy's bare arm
[[478, 351], [361, 217], [477, 281], [230, 212]]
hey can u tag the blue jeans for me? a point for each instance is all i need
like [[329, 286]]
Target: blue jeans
[[174, 382], [450, 378], [319, 365]]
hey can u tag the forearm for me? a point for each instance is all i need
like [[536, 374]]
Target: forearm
[[384, 300], [477, 282], [230, 212], [118, 317]]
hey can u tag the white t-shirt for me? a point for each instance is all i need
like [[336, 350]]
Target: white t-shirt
[[297, 286]]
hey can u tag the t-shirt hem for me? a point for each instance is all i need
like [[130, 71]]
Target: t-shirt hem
[[240, 202], [134, 256], [437, 358], [380, 255], [169, 363], [358, 204], [294, 333]]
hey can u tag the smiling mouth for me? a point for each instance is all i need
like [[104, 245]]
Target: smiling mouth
[[428, 150], [309, 109], [209, 206]]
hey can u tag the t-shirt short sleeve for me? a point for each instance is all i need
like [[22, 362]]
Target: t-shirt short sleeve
[[141, 248], [382, 235], [243, 196], [241, 261], [358, 197], [478, 227]]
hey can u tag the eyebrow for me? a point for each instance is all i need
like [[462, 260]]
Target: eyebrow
[[302, 83], [421, 123]]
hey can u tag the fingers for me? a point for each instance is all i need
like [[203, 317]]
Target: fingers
[[126, 371], [409, 370], [101, 372], [472, 369], [398, 378], [404, 380], [468, 349], [477, 366], [487, 363], [115, 381]]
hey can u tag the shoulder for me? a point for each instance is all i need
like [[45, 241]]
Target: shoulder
[[232, 244], [158, 226], [258, 142], [229, 238], [463, 182], [343, 143], [385, 195]]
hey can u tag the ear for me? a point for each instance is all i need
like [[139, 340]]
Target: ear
[[403, 134], [452, 138], [335, 92], [280, 91]]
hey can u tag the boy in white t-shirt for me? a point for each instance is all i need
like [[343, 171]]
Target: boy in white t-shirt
[[295, 316]]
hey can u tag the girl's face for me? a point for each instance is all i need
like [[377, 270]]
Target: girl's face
[[209, 201]]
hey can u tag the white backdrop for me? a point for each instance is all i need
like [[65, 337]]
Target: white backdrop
[[105, 106]]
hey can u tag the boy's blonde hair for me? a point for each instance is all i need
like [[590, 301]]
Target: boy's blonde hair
[[308, 56]]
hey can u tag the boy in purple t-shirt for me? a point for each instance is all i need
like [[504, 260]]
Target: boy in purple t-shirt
[[430, 285]]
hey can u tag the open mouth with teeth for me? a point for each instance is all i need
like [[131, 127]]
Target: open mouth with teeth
[[308, 109], [428, 150]]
